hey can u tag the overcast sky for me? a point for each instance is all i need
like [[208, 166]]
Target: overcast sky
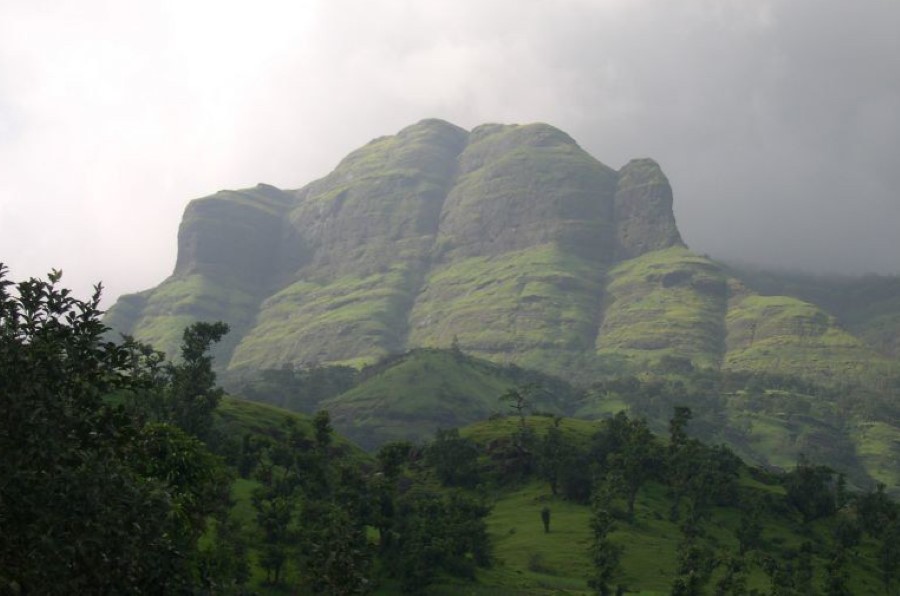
[[777, 122]]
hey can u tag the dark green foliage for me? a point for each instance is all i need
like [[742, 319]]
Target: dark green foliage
[[808, 490], [889, 555], [392, 457], [193, 392], [704, 475], [734, 579], [438, 532], [749, 532], [92, 499], [454, 459], [337, 555], [836, 578], [637, 457], [876, 510], [604, 554], [223, 565], [295, 389]]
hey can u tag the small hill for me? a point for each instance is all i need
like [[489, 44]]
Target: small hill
[[238, 418], [409, 397]]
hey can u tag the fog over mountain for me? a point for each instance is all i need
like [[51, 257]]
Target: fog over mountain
[[777, 121]]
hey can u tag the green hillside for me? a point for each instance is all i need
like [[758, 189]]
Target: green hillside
[[788, 547], [665, 303], [867, 306], [411, 396], [513, 245], [531, 561]]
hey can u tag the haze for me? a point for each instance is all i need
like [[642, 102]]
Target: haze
[[777, 122]]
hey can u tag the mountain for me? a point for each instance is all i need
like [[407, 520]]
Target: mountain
[[510, 241]]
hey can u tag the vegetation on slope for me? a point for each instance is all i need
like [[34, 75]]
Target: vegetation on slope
[[136, 498], [409, 397], [868, 306], [536, 307], [664, 303], [785, 335]]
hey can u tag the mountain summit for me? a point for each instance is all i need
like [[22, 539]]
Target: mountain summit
[[509, 241]]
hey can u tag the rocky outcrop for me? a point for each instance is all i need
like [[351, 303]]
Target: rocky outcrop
[[643, 210]]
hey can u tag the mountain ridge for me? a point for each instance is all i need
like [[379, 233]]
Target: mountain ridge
[[508, 240]]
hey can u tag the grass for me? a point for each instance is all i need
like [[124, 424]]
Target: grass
[[423, 391], [667, 302], [878, 446], [538, 303]]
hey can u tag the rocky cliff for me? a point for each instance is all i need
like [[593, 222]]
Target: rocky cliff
[[509, 241]]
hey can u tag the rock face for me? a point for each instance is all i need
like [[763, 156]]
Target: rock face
[[643, 210], [509, 240]]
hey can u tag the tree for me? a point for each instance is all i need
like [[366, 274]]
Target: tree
[[518, 400], [605, 555], [749, 532], [637, 459], [437, 532], [193, 394], [337, 553], [889, 555], [454, 458], [553, 456], [93, 499], [808, 491]]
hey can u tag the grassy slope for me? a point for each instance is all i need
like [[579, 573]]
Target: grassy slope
[[528, 561], [532, 562], [421, 392], [351, 321], [785, 335], [536, 307], [878, 447], [869, 306], [664, 303]]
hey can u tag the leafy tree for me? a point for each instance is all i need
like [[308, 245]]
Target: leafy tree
[[519, 400], [889, 555], [733, 581], [554, 454], [454, 458], [808, 491], [392, 456], [605, 555], [836, 578], [337, 557], [637, 458], [193, 394], [438, 532], [749, 532], [875, 510], [323, 429], [92, 499]]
